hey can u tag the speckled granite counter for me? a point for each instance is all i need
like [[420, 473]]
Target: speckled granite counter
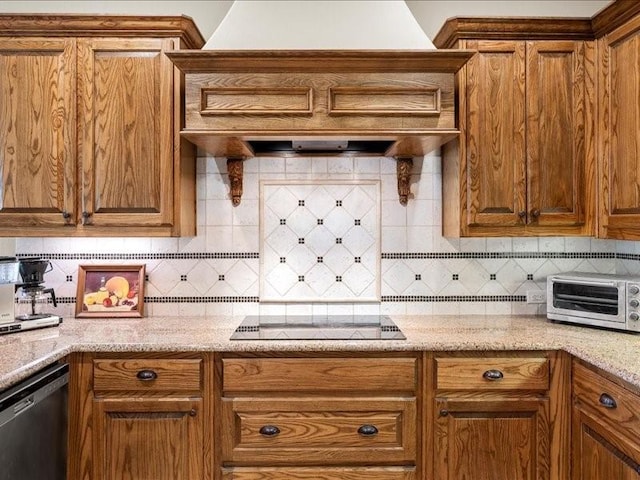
[[24, 353]]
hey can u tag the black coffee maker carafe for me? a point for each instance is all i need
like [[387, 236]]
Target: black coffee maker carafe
[[33, 297]]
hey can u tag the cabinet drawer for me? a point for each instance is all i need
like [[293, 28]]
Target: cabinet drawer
[[492, 373], [147, 374], [319, 374], [332, 431], [607, 400], [319, 473]]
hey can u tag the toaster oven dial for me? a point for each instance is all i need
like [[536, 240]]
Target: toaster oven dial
[[634, 316], [634, 303], [634, 289]]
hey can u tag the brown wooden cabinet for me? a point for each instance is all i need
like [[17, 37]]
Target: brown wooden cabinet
[[619, 131], [498, 417], [90, 134], [140, 416], [606, 428], [524, 162], [319, 417]]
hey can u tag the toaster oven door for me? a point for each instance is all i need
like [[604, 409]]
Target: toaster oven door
[[589, 299]]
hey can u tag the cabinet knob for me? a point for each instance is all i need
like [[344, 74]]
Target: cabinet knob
[[85, 218], [535, 213], [492, 375], [443, 412], [269, 430], [522, 214], [368, 430], [607, 401], [193, 412], [146, 375], [66, 215]]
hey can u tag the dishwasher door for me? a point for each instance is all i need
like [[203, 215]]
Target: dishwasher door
[[33, 427]]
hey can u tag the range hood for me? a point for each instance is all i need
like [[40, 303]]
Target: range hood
[[265, 89]]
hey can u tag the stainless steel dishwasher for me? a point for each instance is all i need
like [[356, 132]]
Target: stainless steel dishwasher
[[33, 427]]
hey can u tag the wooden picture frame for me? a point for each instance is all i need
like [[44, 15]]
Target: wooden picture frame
[[109, 291]]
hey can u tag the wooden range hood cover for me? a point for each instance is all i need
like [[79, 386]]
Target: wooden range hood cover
[[243, 103]]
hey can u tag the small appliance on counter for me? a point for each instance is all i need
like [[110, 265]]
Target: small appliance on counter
[[30, 311], [318, 327], [9, 268], [596, 299]]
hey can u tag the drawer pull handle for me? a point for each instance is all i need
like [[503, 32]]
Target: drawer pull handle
[[146, 375], [269, 431], [492, 375], [368, 430], [607, 401]]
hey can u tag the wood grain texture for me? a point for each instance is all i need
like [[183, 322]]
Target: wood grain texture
[[613, 16], [290, 95], [37, 133], [320, 473], [494, 166], [69, 25], [148, 439], [81, 425], [111, 147], [126, 151], [599, 454], [173, 375], [517, 174], [322, 121], [319, 429], [512, 28], [467, 373], [619, 132], [560, 416], [320, 375], [492, 440], [588, 386], [319, 61], [560, 75]]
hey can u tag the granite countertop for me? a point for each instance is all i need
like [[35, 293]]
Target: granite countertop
[[24, 353]]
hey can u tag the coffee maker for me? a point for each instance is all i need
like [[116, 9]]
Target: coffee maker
[[33, 297]]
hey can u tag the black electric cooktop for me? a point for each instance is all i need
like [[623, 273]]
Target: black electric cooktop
[[318, 327]]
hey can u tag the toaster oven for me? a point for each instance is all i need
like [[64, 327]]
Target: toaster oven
[[602, 300]]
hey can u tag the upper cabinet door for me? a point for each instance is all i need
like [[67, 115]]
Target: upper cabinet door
[[37, 133], [560, 102], [619, 125], [126, 132], [494, 121]]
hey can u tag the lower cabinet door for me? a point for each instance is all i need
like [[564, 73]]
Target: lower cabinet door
[[151, 439], [600, 454], [492, 439], [320, 473]]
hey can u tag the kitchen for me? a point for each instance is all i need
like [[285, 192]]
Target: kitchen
[[421, 272]]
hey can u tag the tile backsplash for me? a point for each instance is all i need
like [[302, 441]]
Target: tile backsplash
[[405, 265]]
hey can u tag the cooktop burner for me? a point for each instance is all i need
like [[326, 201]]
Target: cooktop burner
[[318, 327]]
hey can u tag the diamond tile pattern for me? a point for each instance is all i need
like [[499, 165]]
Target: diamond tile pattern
[[338, 238]]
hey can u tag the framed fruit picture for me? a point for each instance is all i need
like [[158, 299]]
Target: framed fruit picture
[[110, 291]]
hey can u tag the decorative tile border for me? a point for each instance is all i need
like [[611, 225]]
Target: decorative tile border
[[67, 300], [490, 255], [142, 256], [454, 298]]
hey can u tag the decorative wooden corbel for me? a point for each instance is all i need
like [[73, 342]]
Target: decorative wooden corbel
[[404, 166], [235, 169]]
